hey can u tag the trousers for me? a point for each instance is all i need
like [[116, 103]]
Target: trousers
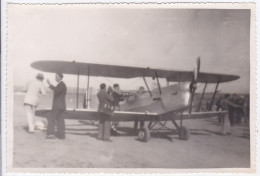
[[115, 123], [104, 127], [56, 120], [30, 111]]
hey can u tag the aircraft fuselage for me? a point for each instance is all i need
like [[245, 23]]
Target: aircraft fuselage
[[171, 98]]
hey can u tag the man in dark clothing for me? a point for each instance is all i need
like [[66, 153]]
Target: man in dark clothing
[[235, 112], [246, 109], [105, 100], [118, 96], [239, 111], [226, 104], [58, 107], [231, 110]]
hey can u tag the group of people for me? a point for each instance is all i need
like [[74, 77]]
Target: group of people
[[56, 123], [31, 101], [238, 109]]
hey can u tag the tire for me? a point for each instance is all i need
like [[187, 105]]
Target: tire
[[144, 134], [184, 133]]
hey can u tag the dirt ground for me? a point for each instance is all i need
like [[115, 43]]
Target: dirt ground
[[206, 148]]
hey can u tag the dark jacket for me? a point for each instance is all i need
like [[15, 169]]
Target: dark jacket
[[60, 91], [117, 98], [104, 98]]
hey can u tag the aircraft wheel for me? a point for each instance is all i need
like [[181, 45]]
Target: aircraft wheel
[[184, 133], [144, 134]]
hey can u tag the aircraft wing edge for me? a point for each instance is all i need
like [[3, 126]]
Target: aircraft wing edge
[[92, 114]]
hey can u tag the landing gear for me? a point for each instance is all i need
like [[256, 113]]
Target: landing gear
[[144, 134], [144, 131], [184, 133]]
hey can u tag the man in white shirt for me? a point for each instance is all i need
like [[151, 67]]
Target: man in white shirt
[[31, 99]]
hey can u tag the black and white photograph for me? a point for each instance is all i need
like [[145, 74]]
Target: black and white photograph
[[146, 87]]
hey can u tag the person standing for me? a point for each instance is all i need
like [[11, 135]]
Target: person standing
[[104, 108], [218, 105], [231, 110], [31, 99], [246, 110], [118, 96], [225, 105], [58, 108]]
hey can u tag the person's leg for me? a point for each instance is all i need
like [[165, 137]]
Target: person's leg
[[107, 126], [113, 129], [33, 117], [115, 123], [51, 123], [29, 114], [231, 118], [228, 126], [60, 125], [223, 129], [101, 127], [141, 124], [135, 124]]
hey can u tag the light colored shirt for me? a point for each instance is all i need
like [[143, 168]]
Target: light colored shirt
[[33, 89]]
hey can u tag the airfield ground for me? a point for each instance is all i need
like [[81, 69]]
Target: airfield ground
[[206, 148]]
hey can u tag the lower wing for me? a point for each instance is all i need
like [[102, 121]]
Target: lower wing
[[88, 114]]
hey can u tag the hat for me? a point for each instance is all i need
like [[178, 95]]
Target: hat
[[40, 76]]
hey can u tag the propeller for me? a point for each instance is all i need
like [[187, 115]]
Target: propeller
[[193, 84]]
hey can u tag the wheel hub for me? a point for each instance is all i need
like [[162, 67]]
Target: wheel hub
[[141, 135]]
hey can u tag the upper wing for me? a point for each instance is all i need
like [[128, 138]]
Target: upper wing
[[127, 71]]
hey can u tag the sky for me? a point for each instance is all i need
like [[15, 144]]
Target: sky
[[156, 38]]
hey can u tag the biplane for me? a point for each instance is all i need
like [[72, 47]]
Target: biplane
[[158, 106]]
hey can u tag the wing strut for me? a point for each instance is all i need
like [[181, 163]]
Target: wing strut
[[199, 105], [181, 119], [147, 86], [158, 83], [213, 97], [77, 103], [87, 106]]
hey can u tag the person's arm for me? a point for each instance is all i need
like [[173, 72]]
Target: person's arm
[[232, 104], [58, 89], [118, 95]]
